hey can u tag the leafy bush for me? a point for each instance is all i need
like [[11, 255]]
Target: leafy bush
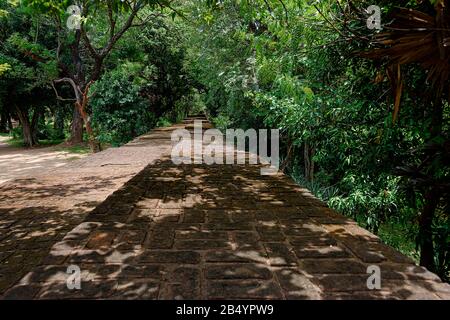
[[163, 122], [119, 112]]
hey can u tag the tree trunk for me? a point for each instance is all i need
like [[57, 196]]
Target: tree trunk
[[425, 229], [3, 121], [93, 142], [76, 130], [34, 125], [29, 138], [10, 125], [81, 104], [309, 162], [431, 195], [58, 123]]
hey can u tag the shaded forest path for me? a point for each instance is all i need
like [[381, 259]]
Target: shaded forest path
[[189, 232]]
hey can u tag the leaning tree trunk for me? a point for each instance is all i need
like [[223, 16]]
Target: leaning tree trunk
[[76, 129], [81, 105]]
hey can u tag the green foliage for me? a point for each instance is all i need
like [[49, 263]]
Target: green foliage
[[141, 81], [76, 149], [266, 65], [4, 67], [119, 112], [163, 122]]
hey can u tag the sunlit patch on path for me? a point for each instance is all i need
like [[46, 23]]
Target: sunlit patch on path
[[21, 162]]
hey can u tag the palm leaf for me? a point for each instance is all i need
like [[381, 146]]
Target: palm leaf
[[415, 37]]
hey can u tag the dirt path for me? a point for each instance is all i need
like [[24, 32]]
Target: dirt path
[[21, 162]]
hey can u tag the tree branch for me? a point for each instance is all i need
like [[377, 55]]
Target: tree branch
[[75, 88], [114, 38], [112, 22]]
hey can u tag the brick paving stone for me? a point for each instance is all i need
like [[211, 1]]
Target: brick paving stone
[[238, 271], [322, 240], [236, 256], [101, 240], [196, 216], [101, 272], [361, 295], [367, 252], [180, 291], [185, 275], [280, 254], [201, 244], [246, 241], [89, 290], [161, 238], [270, 233], [405, 271], [333, 282], [193, 232], [180, 257], [252, 289], [229, 226], [332, 266], [136, 289], [331, 251], [203, 235], [133, 236], [88, 256], [147, 203], [22, 292], [296, 285], [149, 271]]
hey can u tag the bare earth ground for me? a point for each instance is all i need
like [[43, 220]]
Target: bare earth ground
[[187, 232], [20, 162]]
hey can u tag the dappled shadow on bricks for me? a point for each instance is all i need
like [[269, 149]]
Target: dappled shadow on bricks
[[220, 232], [34, 215]]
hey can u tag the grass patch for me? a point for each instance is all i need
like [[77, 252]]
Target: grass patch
[[50, 142], [78, 149], [163, 122], [16, 143]]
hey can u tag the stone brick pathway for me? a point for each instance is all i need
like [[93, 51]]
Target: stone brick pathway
[[218, 232]]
